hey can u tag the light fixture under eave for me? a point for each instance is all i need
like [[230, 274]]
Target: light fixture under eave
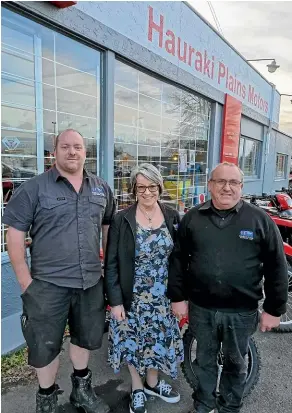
[[272, 67]]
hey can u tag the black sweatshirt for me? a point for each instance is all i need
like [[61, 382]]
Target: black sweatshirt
[[219, 266]]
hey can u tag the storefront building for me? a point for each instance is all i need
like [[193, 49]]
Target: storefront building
[[143, 82]]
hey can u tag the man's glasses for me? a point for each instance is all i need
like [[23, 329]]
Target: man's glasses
[[223, 182], [142, 188]]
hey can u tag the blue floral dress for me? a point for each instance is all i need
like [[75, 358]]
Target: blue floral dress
[[150, 336]]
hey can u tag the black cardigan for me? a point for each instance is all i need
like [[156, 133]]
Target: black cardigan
[[120, 253]]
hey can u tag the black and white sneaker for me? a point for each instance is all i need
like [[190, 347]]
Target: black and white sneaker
[[162, 390], [138, 402]]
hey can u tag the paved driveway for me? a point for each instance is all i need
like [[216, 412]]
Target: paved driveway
[[273, 393]]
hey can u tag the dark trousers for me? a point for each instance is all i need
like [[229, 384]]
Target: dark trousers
[[231, 330]]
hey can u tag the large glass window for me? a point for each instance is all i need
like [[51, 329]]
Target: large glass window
[[49, 83], [159, 123], [281, 166], [249, 156]]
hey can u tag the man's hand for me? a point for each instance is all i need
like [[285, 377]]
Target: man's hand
[[25, 284], [118, 312], [180, 310], [268, 322]]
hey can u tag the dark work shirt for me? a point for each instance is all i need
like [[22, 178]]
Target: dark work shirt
[[65, 226], [220, 217]]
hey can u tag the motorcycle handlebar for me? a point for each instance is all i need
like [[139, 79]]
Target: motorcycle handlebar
[[263, 196]]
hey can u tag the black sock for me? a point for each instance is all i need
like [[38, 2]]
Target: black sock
[[81, 373], [48, 391]]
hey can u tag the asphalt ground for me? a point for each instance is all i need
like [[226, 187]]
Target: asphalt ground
[[273, 393]]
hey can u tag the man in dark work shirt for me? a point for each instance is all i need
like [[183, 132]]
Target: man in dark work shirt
[[65, 209], [223, 248]]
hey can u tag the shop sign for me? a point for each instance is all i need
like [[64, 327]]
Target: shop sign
[[203, 61], [174, 32], [231, 130]]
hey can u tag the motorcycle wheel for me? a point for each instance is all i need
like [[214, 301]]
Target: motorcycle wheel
[[286, 319], [254, 364]]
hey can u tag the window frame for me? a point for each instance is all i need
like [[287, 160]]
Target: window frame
[[241, 162], [285, 168], [183, 90], [14, 22]]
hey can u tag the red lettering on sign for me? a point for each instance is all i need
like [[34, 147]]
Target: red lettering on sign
[[153, 26], [170, 44], [202, 62], [191, 51], [221, 73], [182, 58]]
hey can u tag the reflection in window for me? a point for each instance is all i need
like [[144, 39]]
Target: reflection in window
[[39, 101], [14, 172], [126, 134], [76, 55], [126, 76], [49, 121], [13, 117], [281, 166], [16, 91], [249, 156], [48, 72], [49, 97], [17, 64], [16, 143], [158, 123], [10, 37], [86, 126], [76, 81], [149, 105], [126, 116], [126, 97], [70, 102]]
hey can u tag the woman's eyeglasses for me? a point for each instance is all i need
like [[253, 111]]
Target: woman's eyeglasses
[[142, 188]]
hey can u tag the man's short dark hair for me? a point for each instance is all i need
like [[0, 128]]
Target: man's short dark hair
[[66, 130]]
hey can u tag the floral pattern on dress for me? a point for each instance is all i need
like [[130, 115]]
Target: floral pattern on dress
[[150, 336]]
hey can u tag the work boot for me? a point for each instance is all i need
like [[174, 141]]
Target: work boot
[[83, 396], [48, 403]]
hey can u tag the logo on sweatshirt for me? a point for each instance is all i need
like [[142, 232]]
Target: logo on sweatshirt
[[97, 191], [244, 234]]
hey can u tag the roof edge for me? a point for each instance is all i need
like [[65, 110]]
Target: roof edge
[[283, 133]]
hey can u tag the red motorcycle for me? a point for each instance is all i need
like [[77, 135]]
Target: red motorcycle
[[279, 207]]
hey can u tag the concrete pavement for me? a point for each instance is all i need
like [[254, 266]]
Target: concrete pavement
[[273, 393]]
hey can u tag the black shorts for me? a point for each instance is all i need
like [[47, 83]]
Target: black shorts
[[46, 310]]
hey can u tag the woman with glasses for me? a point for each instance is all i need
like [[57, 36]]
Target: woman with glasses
[[143, 331]]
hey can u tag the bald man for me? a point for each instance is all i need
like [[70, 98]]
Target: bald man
[[217, 267], [65, 210]]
